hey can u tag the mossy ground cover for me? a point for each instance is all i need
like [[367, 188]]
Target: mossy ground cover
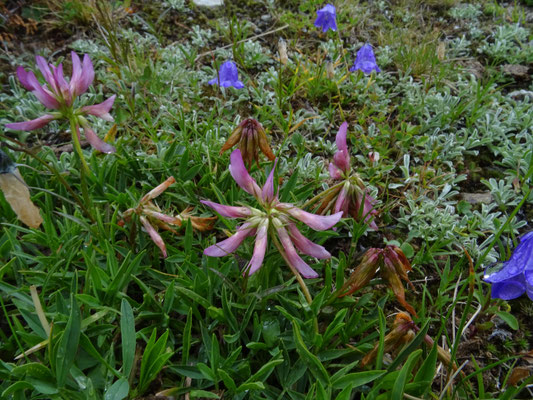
[[441, 138]]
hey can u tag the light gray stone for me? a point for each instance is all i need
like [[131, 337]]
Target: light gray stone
[[208, 3]]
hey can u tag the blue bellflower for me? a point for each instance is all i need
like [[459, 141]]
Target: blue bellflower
[[516, 275], [227, 76], [365, 60], [326, 18]]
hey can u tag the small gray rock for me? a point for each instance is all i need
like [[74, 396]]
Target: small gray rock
[[208, 3]]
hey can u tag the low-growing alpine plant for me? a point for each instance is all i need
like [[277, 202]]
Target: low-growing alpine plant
[[86, 312]]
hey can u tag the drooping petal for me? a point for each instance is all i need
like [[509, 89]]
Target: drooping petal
[[96, 142], [317, 222], [508, 289], [156, 238], [32, 124], [305, 245], [239, 172], [101, 110], [228, 211], [295, 260], [22, 75], [229, 245], [260, 246], [44, 96], [268, 188]]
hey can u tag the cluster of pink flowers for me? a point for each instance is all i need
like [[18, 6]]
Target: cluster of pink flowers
[[60, 95], [276, 218]]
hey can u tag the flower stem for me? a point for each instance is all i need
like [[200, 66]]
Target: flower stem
[[84, 167]]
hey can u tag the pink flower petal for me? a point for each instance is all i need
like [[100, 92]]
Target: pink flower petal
[[239, 172], [229, 245], [305, 245], [101, 110], [268, 188], [260, 246], [342, 202], [87, 75], [23, 78], [44, 96], [228, 211], [317, 222], [96, 142], [340, 138], [368, 211], [342, 160], [76, 74], [293, 257], [156, 238], [62, 84], [45, 71], [32, 124], [334, 171]]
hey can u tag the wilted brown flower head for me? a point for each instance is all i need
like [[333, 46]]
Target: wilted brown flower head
[[392, 265], [251, 137], [404, 331], [151, 215]]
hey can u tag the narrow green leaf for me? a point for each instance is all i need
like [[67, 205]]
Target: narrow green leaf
[[405, 372], [15, 388], [426, 372], [509, 319], [68, 345], [127, 333], [203, 394], [312, 361], [186, 347], [206, 371], [345, 394], [357, 379], [228, 380], [118, 390]]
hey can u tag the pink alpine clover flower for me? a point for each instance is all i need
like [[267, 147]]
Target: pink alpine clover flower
[[350, 195], [276, 219], [58, 94]]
